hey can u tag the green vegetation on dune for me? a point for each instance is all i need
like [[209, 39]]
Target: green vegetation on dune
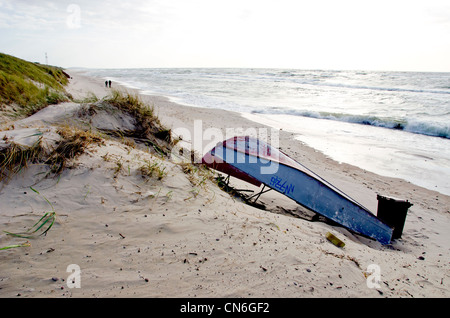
[[29, 87]]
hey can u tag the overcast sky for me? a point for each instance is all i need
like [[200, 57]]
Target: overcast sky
[[408, 35]]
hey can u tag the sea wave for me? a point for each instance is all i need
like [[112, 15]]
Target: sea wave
[[408, 125], [315, 82]]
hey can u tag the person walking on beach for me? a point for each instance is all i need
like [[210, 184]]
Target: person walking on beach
[[109, 83], [106, 83]]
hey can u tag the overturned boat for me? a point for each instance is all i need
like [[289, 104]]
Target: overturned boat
[[257, 162]]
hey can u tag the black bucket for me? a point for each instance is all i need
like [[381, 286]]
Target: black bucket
[[393, 212]]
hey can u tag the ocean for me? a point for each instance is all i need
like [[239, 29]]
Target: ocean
[[395, 124]]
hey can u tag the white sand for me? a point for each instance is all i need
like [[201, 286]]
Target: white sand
[[133, 237]]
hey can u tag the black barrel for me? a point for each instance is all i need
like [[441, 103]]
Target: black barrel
[[393, 212]]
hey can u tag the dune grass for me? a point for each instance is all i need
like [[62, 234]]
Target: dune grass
[[50, 76], [29, 87], [148, 127], [72, 144], [153, 169], [197, 174], [147, 121], [15, 157]]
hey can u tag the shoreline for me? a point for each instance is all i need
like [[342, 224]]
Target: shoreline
[[171, 238]]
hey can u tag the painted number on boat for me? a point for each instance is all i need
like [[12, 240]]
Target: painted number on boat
[[278, 184]]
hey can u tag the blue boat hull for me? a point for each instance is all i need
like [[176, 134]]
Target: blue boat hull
[[309, 192]]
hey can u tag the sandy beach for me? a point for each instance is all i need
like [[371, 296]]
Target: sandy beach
[[118, 234]]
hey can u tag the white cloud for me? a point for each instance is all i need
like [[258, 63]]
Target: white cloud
[[245, 33]]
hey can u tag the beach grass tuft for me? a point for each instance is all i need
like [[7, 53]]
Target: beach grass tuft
[[16, 157], [148, 125], [153, 169], [197, 174], [72, 144]]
